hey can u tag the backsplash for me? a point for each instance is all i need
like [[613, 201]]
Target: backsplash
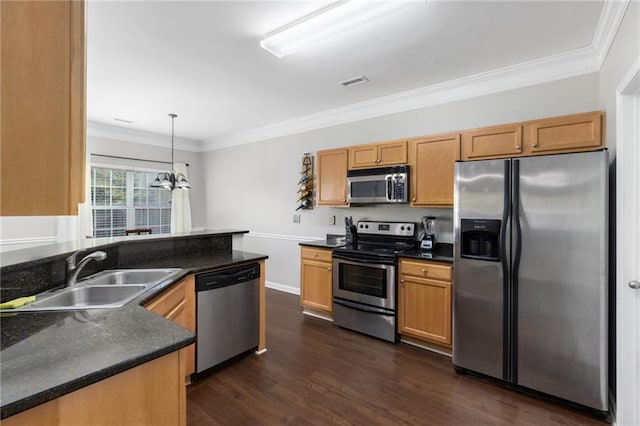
[[36, 276]]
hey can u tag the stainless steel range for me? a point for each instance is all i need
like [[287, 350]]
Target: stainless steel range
[[364, 278]]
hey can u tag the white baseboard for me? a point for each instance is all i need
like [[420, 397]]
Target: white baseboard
[[282, 287]]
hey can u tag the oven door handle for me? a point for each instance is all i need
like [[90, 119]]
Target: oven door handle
[[357, 259], [367, 309]]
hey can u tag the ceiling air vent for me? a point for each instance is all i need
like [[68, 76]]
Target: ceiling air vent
[[356, 80]]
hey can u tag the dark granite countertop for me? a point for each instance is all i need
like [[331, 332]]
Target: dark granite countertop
[[48, 354], [442, 253], [331, 241]]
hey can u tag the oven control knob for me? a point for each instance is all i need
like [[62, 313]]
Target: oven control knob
[[366, 226], [409, 228], [402, 228], [361, 226]]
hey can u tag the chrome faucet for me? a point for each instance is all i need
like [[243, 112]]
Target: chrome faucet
[[73, 269]]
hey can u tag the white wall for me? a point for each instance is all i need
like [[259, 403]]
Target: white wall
[[254, 185], [24, 232]]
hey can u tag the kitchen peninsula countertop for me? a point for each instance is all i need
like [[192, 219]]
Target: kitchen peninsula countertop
[[46, 355]]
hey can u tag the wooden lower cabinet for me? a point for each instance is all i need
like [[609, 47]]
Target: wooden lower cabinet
[[431, 162], [151, 394], [315, 279], [178, 304], [424, 301]]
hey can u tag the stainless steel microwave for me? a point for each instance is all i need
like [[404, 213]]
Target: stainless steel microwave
[[378, 185]]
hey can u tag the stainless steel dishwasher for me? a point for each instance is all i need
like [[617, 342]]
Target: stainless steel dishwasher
[[227, 305]]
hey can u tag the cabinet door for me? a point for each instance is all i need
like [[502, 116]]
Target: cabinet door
[[492, 142], [315, 285], [43, 107], [332, 177], [361, 156], [569, 133], [392, 153], [431, 162], [424, 309]]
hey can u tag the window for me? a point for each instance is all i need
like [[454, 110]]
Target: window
[[122, 199]]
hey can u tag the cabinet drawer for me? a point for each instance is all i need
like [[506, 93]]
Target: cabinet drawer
[[168, 301], [322, 255], [434, 271]]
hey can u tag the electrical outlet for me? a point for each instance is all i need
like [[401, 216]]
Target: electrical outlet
[[296, 218], [332, 220]]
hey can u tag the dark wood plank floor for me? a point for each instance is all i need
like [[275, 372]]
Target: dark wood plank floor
[[316, 373]]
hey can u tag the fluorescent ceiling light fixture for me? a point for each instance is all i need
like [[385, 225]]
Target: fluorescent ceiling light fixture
[[336, 18]]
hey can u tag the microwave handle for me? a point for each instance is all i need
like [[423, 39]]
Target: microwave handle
[[390, 187]]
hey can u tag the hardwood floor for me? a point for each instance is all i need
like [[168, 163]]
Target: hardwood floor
[[316, 373]]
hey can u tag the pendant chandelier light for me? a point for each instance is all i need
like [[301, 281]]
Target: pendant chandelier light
[[171, 180]]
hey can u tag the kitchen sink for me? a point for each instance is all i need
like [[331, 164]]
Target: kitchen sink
[[93, 297], [130, 276], [103, 290]]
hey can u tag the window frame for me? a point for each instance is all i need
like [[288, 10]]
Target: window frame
[[129, 206]]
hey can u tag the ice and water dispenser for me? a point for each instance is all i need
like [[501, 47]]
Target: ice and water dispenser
[[480, 239]]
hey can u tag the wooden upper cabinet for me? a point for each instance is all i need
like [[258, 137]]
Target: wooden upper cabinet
[[331, 182], [43, 107], [492, 142], [578, 132], [378, 154], [567, 133], [431, 162]]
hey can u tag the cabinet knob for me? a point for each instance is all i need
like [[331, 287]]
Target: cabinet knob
[[329, 269], [413, 199], [344, 201], [518, 146], [315, 254], [424, 271], [535, 145]]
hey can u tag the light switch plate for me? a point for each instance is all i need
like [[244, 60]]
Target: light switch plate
[[332, 220]]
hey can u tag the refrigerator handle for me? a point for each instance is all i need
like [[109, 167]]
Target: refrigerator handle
[[517, 254], [504, 260]]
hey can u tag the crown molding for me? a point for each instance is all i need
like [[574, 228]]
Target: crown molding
[[610, 19], [557, 67], [552, 68], [139, 136]]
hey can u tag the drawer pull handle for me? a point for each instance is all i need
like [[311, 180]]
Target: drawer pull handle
[[535, 145]]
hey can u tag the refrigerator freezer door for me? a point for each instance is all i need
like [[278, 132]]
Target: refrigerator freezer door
[[561, 292], [479, 285]]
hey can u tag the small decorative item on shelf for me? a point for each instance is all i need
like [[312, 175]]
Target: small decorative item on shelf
[[305, 185]]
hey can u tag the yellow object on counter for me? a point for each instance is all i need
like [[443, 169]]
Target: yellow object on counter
[[16, 303]]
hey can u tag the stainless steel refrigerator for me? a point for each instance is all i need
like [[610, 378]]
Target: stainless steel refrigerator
[[530, 273]]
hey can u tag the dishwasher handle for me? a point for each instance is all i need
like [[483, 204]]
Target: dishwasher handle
[[227, 277]]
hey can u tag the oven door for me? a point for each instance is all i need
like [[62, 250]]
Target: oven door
[[365, 281]]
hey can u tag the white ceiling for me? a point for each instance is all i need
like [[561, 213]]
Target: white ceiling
[[202, 60]]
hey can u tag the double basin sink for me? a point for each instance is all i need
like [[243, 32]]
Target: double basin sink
[[103, 290]]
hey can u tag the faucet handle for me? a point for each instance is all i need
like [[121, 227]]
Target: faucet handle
[[71, 260]]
